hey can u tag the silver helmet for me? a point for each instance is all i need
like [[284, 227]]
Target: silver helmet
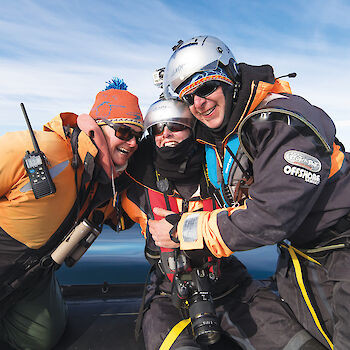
[[200, 53], [171, 110]]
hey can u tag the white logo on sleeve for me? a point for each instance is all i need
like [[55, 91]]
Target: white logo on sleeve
[[302, 165], [308, 176]]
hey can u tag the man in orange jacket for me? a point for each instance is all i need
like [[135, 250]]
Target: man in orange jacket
[[86, 155]]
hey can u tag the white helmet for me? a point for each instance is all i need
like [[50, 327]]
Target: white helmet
[[201, 53], [163, 111]]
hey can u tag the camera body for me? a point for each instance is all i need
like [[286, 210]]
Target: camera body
[[158, 76], [191, 292]]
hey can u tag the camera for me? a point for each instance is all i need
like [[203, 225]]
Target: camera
[[191, 293], [158, 76]]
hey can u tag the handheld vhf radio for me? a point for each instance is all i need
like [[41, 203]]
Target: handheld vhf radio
[[35, 164]]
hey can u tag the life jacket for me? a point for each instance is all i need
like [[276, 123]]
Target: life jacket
[[232, 177], [167, 256]]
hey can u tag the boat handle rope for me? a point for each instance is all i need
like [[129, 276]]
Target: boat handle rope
[[298, 273]]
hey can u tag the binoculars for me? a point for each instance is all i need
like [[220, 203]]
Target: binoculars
[[76, 243]]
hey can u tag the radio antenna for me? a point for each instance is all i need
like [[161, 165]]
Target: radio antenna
[[35, 143]]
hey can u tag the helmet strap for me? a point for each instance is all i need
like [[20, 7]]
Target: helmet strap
[[232, 70]]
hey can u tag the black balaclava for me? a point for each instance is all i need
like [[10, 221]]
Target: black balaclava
[[179, 163], [182, 165]]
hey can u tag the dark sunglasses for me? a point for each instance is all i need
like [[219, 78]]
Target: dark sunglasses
[[203, 91], [124, 132], [157, 129]]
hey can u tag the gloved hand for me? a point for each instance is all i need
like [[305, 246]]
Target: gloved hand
[[160, 229], [174, 220]]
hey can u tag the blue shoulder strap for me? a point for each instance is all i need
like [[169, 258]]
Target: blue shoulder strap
[[233, 145], [214, 171], [213, 166]]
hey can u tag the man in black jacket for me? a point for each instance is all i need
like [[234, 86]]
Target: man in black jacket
[[294, 169]]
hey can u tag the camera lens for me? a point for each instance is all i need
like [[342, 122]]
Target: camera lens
[[205, 325]]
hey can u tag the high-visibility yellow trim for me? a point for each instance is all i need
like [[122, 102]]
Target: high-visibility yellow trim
[[174, 333], [299, 276]]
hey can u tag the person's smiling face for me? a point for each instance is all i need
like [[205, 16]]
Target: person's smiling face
[[171, 138], [210, 110], [120, 150]]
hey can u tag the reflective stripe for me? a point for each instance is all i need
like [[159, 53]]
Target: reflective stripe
[[54, 171], [189, 231], [174, 333]]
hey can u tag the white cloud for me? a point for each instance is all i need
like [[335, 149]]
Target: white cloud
[[47, 89], [56, 57]]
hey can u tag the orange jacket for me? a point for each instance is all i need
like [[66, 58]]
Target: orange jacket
[[28, 224]]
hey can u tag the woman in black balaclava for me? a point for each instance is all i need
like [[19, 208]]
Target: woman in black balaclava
[[168, 172]]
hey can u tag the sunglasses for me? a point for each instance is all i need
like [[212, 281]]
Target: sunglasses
[[157, 129], [124, 132], [203, 91]]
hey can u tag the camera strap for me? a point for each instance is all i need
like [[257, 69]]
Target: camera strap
[[174, 333]]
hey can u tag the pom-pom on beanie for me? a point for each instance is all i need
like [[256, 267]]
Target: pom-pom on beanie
[[117, 105]]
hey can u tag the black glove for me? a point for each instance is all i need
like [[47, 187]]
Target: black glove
[[174, 220]]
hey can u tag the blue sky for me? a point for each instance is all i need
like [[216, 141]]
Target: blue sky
[[56, 55]]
